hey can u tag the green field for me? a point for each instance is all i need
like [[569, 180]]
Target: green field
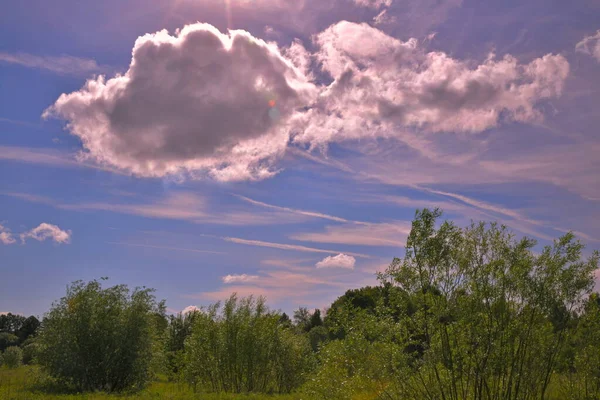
[[22, 384]]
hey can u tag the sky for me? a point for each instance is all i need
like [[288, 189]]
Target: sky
[[280, 148]]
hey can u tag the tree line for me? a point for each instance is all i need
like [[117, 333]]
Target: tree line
[[467, 313]]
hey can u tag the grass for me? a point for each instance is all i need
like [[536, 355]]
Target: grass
[[20, 384]]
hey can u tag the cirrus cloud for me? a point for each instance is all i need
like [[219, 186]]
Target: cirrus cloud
[[590, 45], [339, 261]]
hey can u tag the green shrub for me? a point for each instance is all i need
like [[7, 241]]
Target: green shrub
[[13, 357], [30, 353], [243, 348], [7, 340], [100, 339]]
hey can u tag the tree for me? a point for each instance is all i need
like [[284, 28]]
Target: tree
[[100, 339], [284, 320], [490, 315], [28, 328], [13, 357], [302, 319], [581, 362], [315, 319], [17, 326], [11, 323]]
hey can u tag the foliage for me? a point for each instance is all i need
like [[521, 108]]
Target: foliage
[[19, 326], [100, 339], [13, 357], [243, 348], [467, 314], [491, 316], [302, 319], [361, 363], [8, 340], [581, 367], [30, 352], [178, 330]]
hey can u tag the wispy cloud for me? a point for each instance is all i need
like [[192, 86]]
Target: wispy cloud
[[19, 122], [150, 246], [590, 45], [293, 210], [277, 285], [64, 64], [51, 157], [365, 234], [185, 206], [239, 278], [292, 247]]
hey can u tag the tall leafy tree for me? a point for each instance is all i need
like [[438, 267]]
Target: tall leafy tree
[[490, 314]]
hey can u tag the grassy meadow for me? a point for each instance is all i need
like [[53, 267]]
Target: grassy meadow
[[23, 383]]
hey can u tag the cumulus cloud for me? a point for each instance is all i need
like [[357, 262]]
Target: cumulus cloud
[[382, 84], [47, 231], [190, 309], [239, 278], [590, 45], [198, 102], [339, 261], [6, 237], [201, 102]]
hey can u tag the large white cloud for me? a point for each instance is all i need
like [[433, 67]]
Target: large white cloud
[[198, 101], [590, 45], [47, 231], [383, 85], [339, 261], [229, 105]]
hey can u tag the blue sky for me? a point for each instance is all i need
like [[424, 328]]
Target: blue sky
[[280, 148]]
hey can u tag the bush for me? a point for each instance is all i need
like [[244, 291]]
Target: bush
[[7, 340], [30, 353], [100, 339], [244, 348], [13, 357]]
